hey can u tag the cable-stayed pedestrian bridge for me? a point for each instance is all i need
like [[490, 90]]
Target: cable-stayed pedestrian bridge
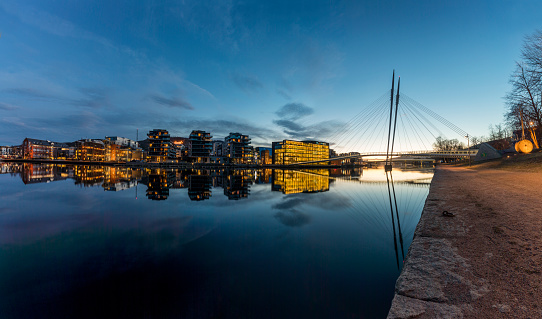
[[435, 155], [396, 127]]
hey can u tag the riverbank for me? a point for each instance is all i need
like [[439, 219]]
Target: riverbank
[[484, 262], [179, 165]]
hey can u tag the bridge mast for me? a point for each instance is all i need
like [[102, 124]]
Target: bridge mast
[[395, 121], [387, 166]]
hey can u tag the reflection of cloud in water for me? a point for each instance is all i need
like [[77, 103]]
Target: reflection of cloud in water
[[289, 202], [323, 200], [293, 218], [330, 201], [178, 231]]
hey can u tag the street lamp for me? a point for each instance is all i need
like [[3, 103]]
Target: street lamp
[[468, 147]]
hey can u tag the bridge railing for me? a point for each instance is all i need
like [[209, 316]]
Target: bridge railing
[[431, 153]]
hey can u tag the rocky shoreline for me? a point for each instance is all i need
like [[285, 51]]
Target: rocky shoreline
[[482, 262]]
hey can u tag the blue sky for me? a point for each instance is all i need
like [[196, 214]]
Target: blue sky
[[270, 69]]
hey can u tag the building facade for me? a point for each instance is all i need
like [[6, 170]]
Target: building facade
[[201, 146], [160, 147], [122, 141], [37, 149], [264, 155], [6, 152], [182, 147], [90, 150], [238, 148], [291, 152]]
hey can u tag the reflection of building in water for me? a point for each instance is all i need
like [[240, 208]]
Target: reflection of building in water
[[157, 185], [305, 181], [11, 168], [120, 178], [199, 187], [290, 152], [179, 179], [236, 184], [88, 175], [263, 176], [354, 172], [44, 173]]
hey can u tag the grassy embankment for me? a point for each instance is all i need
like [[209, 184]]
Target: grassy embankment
[[513, 162]]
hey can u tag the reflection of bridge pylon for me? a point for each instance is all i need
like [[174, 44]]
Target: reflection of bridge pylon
[[391, 195]]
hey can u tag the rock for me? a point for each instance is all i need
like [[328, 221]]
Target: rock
[[404, 307], [432, 268]]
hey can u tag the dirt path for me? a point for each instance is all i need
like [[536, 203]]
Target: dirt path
[[486, 261]]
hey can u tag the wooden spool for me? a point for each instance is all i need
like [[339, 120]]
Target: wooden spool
[[524, 146]]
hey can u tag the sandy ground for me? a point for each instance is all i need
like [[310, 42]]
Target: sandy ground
[[486, 261]]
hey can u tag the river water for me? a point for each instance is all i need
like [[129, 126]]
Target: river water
[[103, 242]]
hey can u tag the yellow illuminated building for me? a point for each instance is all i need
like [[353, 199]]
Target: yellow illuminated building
[[90, 150], [305, 181], [291, 152]]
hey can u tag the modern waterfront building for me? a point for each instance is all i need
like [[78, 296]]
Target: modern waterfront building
[[121, 153], [291, 152], [219, 148], [238, 148], [264, 155], [6, 152], [122, 141], [202, 146], [90, 150], [37, 149], [160, 147], [182, 147]]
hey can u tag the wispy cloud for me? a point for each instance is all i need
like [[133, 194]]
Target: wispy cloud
[[294, 111], [171, 102], [284, 88], [289, 120], [247, 83], [7, 107], [94, 98], [318, 131], [215, 21], [81, 121], [60, 27], [220, 128], [31, 92]]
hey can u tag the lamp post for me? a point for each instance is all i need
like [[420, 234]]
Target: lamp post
[[468, 147]]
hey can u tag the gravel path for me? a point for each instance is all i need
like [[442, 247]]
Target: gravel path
[[486, 261]]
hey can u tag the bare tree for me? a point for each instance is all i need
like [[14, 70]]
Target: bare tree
[[475, 140], [442, 144], [498, 132], [525, 100]]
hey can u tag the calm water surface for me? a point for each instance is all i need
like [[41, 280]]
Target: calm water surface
[[95, 242]]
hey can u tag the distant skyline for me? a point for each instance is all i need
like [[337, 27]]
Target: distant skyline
[[269, 69]]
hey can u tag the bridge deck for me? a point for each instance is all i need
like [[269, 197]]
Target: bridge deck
[[422, 154]]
